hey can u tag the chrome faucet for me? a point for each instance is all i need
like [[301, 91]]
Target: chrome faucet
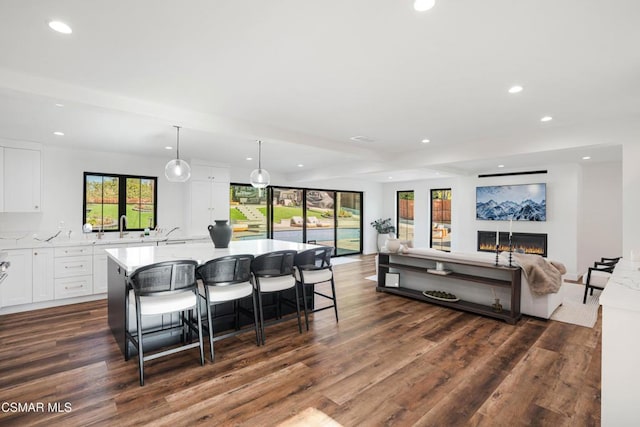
[[171, 231], [123, 223]]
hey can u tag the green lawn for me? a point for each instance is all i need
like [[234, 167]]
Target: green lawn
[[236, 215], [135, 219]]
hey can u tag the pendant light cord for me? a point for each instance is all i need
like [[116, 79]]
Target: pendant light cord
[[178, 142], [260, 155]]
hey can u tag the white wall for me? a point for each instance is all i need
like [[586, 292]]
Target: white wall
[[631, 197], [562, 211], [63, 185], [600, 213]]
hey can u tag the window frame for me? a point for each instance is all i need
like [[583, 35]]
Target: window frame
[[122, 198]]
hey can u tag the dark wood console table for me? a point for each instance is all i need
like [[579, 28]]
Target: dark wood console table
[[467, 272]]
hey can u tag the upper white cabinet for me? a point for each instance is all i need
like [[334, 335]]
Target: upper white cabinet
[[209, 197], [21, 180], [209, 173]]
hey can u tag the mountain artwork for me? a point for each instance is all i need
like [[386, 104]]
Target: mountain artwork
[[525, 202]]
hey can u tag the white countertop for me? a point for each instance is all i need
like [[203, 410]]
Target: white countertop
[[133, 258], [91, 240], [623, 288]]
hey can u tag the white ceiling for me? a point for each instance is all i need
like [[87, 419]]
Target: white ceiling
[[306, 76]]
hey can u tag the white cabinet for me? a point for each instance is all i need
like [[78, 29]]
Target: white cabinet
[[73, 271], [209, 173], [2, 179], [22, 180], [43, 272], [17, 287], [209, 197]]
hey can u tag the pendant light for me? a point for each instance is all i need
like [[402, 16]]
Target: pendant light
[[259, 178], [177, 170], [423, 5]]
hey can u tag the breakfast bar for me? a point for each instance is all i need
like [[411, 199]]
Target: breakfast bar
[[125, 261]]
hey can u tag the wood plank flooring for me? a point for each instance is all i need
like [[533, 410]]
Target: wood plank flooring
[[389, 361]]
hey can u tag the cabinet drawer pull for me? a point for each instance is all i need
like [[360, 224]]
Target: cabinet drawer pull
[[176, 243], [74, 266], [68, 288]]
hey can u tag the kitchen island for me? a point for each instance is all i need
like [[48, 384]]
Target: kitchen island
[[122, 262]]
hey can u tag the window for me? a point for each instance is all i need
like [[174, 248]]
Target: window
[[109, 196], [405, 215], [441, 219]]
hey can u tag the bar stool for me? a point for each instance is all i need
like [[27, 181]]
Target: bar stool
[[161, 288], [273, 272], [312, 267], [223, 280]]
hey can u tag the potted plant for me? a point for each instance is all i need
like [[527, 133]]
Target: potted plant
[[385, 230]]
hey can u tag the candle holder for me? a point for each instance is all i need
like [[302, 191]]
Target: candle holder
[[510, 251], [497, 252]]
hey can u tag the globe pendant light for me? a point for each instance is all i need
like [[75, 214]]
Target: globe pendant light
[[259, 178], [423, 5], [177, 170]]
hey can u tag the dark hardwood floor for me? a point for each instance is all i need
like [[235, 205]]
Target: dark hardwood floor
[[389, 361]]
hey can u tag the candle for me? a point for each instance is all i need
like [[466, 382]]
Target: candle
[[510, 225], [497, 237]]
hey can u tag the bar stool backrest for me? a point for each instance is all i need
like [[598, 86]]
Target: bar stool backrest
[[314, 259], [273, 264], [226, 270], [170, 276]]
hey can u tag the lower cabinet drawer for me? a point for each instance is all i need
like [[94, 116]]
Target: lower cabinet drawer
[[73, 266], [69, 287]]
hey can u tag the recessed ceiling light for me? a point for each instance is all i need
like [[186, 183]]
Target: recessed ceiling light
[[390, 177], [59, 133], [168, 147], [546, 119], [586, 158], [500, 166], [249, 158], [425, 141], [60, 105], [515, 89], [423, 5], [60, 27], [300, 165]]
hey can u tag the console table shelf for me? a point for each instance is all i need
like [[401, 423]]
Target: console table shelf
[[466, 277], [483, 277]]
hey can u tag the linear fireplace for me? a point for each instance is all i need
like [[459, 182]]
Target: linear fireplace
[[530, 243]]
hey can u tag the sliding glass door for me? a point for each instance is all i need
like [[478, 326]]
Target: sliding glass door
[[321, 217], [349, 231], [288, 219], [248, 212]]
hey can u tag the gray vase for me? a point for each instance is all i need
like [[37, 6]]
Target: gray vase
[[220, 233]]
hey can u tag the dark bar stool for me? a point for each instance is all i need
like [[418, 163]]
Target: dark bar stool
[[311, 267], [273, 272], [223, 280], [165, 287]]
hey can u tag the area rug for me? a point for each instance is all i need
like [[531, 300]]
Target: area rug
[[573, 311], [343, 260]]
